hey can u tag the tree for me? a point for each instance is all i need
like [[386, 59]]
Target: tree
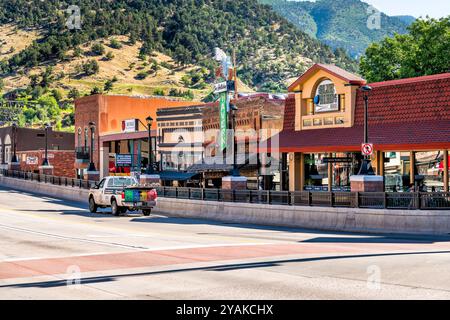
[[109, 56], [95, 90], [91, 67], [73, 94], [77, 52], [57, 94], [115, 44], [98, 49], [108, 86], [424, 51], [155, 68]]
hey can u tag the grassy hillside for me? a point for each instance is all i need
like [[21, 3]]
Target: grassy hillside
[[146, 47]]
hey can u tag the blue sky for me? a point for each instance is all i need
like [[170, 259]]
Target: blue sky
[[434, 8], [416, 8]]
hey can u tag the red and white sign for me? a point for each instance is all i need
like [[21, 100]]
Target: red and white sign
[[367, 149], [131, 125]]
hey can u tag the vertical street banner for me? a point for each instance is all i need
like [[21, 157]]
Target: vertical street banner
[[223, 120]]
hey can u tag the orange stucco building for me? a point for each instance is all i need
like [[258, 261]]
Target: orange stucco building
[[119, 129]]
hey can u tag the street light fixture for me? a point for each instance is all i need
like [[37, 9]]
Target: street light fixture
[[235, 172], [14, 131], [366, 167], [45, 161], [92, 164], [149, 120]]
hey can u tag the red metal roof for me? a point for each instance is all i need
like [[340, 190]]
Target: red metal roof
[[403, 114]]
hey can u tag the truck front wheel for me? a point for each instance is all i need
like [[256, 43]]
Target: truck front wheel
[[147, 212]]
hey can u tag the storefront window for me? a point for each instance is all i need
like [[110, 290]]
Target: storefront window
[[343, 166], [429, 170], [316, 172], [396, 171]]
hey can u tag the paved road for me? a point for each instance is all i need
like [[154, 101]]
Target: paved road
[[53, 249]]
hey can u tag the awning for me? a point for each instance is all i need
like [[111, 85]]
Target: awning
[[177, 176]]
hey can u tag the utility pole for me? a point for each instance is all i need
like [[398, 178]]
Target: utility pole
[[235, 75]]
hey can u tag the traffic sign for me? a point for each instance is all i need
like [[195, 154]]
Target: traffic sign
[[367, 149]]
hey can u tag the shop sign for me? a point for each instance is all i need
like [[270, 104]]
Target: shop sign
[[337, 160], [131, 125], [32, 160], [124, 160]]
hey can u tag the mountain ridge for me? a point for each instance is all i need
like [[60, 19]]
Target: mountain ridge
[[340, 23]]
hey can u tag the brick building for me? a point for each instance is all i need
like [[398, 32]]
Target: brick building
[[30, 149], [258, 117], [120, 131]]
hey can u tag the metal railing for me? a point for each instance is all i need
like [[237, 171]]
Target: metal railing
[[369, 200], [56, 180]]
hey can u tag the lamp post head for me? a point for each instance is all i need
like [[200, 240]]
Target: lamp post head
[[366, 88], [149, 121]]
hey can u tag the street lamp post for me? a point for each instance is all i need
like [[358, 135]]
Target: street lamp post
[[92, 164], [45, 161], [366, 167], [235, 171], [150, 151], [14, 157]]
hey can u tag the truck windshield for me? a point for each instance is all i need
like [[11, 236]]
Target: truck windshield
[[121, 182]]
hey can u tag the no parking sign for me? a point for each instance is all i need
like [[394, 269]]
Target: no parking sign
[[367, 149]]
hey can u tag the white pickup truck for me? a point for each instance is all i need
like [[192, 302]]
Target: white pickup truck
[[110, 192]]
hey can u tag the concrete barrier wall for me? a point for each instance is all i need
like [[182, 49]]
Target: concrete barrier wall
[[435, 222], [319, 218], [46, 189]]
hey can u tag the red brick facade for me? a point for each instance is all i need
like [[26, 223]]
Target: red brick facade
[[61, 160]]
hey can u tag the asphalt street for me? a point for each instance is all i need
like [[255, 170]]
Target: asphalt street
[[54, 249]]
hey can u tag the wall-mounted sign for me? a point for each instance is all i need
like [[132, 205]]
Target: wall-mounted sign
[[32, 160], [131, 125], [124, 160], [337, 160], [326, 98]]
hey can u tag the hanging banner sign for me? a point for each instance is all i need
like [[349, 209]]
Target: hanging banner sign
[[223, 120]]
